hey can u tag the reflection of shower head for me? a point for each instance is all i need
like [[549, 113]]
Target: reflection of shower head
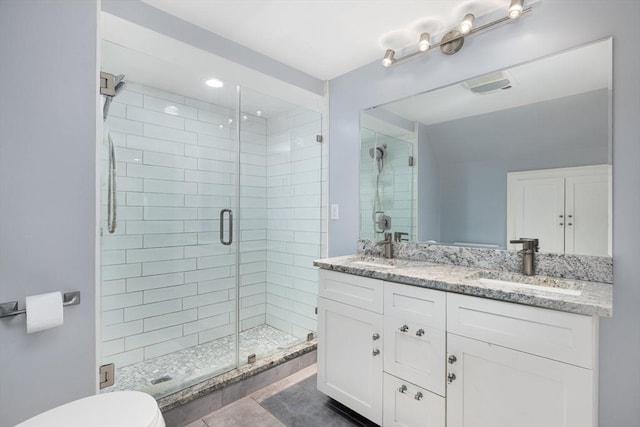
[[378, 152]]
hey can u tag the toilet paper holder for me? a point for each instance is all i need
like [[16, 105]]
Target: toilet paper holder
[[8, 309]]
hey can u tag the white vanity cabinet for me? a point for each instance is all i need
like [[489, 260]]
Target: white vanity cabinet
[[408, 356], [515, 365], [350, 342]]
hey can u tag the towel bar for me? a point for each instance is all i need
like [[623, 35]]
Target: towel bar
[[11, 308]]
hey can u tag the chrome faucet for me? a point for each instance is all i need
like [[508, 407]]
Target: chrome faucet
[[388, 245], [529, 248]]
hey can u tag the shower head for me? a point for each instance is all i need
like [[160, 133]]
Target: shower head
[[119, 88], [120, 84], [378, 152]]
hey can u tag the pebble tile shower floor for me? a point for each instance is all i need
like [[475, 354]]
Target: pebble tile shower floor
[[171, 372]]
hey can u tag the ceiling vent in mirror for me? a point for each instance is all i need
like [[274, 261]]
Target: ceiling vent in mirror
[[489, 83]]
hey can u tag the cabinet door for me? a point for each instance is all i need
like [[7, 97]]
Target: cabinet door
[[350, 357], [499, 387], [406, 405], [587, 222], [536, 209]]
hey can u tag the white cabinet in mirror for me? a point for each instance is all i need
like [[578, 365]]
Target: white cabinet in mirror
[[554, 113]]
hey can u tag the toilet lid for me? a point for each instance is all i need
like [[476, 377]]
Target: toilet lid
[[116, 409]]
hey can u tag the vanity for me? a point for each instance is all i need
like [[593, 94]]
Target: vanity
[[448, 332], [455, 336]]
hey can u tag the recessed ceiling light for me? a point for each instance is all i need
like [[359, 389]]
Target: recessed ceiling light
[[258, 113], [214, 83], [172, 109]]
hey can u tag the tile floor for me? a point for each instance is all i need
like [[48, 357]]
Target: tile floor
[[290, 402]]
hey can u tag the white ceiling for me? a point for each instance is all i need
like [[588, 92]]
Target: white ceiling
[[326, 38]]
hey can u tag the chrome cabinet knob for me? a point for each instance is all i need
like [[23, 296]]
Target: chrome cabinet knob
[[375, 337], [375, 352], [420, 332], [404, 328], [418, 396], [452, 359], [451, 378], [403, 389]]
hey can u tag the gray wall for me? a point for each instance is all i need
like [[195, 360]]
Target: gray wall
[[474, 154], [47, 198], [551, 27]]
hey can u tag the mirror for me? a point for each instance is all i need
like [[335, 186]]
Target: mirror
[[521, 152]]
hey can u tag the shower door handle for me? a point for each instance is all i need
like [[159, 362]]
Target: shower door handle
[[222, 212]]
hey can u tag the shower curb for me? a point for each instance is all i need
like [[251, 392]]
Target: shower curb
[[198, 400]]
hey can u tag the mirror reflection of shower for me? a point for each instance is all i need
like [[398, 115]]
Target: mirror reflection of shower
[[118, 86], [381, 222]]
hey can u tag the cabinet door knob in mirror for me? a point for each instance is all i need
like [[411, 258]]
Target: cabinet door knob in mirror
[[451, 378], [404, 328], [418, 396], [452, 359], [375, 352], [375, 336], [403, 389], [420, 332]]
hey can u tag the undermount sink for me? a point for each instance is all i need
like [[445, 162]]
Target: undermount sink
[[374, 264], [539, 283], [564, 291], [370, 261]]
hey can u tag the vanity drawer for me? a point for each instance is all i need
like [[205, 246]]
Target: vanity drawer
[[415, 304], [407, 405], [557, 335], [362, 292]]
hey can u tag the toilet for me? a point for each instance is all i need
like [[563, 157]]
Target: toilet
[[116, 409]]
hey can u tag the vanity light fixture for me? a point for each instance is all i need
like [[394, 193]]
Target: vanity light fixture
[[388, 59], [453, 40], [515, 9], [425, 41], [467, 23]]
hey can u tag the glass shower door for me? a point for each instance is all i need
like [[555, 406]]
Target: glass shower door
[[170, 266]]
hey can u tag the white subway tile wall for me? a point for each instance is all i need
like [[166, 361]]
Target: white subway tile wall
[[168, 283]]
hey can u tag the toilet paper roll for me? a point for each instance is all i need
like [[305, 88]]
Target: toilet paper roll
[[44, 311]]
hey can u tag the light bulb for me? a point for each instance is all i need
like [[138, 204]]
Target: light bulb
[[515, 9], [467, 23], [424, 42], [388, 58]]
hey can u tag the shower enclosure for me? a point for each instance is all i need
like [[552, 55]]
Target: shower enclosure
[[386, 185], [210, 224]]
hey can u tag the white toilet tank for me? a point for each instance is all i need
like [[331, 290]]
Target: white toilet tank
[[116, 409]]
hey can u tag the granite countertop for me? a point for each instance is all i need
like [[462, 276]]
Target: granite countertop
[[573, 296]]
